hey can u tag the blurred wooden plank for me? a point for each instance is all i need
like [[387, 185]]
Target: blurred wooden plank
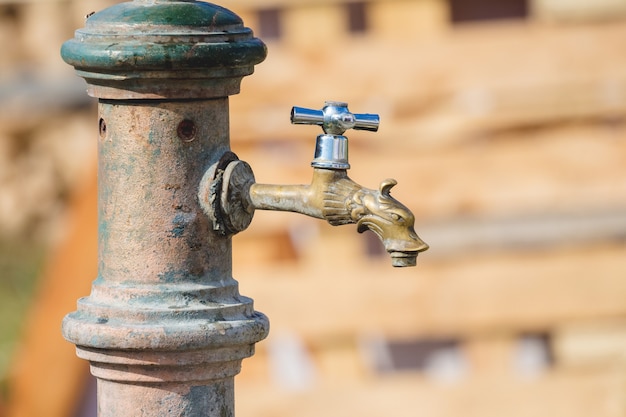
[[441, 100], [267, 246], [26, 104], [591, 343], [424, 17], [491, 355], [451, 237], [514, 174], [252, 4], [334, 294], [300, 22], [594, 393], [578, 10], [508, 356], [525, 232]]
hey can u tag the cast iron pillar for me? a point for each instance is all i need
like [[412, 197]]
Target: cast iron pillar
[[164, 328]]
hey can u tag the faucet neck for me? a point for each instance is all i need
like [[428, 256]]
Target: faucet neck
[[331, 152], [331, 149]]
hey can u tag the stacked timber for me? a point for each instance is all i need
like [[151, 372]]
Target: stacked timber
[[508, 141], [513, 159]]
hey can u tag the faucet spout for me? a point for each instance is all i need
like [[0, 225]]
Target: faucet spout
[[304, 199], [293, 198], [229, 193], [331, 196]]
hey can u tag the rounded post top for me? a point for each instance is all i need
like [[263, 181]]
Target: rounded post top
[[163, 49]]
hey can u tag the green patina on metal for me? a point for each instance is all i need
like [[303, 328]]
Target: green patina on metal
[[181, 14], [163, 36], [179, 222], [161, 56]]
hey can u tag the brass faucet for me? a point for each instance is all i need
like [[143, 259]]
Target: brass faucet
[[230, 195]]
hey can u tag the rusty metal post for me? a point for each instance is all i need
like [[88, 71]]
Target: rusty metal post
[[164, 328]]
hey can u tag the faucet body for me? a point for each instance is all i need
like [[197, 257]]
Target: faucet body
[[334, 197], [230, 195]]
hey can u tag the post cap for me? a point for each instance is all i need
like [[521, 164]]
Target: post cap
[[163, 49]]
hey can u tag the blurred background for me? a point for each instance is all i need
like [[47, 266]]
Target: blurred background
[[504, 122]]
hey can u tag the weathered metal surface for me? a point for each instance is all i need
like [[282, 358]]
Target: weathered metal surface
[[166, 273], [230, 195], [164, 328], [128, 50]]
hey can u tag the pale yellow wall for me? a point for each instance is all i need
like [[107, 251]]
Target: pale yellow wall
[[256, 4], [409, 18], [314, 26], [307, 24], [555, 10], [49, 24]]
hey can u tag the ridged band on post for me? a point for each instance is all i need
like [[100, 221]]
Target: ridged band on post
[[164, 328]]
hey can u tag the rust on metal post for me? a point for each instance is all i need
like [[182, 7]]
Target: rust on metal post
[[165, 327]]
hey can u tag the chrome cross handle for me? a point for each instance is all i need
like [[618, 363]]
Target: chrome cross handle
[[331, 148], [335, 118]]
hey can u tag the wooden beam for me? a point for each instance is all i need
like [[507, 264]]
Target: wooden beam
[[591, 343], [336, 293], [571, 394], [543, 230]]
